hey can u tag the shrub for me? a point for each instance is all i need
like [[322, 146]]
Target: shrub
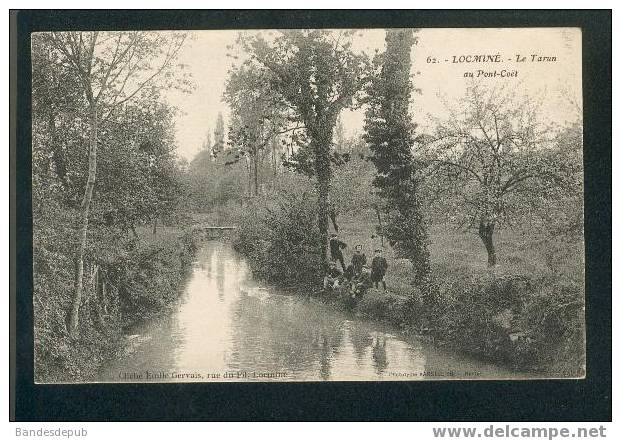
[[554, 318], [388, 307], [526, 321], [149, 277], [59, 356], [281, 239], [141, 282]]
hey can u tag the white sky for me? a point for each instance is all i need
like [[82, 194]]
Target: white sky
[[205, 55]]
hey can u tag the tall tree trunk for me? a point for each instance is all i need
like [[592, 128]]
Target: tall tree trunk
[[85, 208], [256, 173], [249, 166], [104, 297], [97, 291], [322, 215], [322, 141], [58, 157], [274, 147], [381, 226], [334, 218], [486, 233]]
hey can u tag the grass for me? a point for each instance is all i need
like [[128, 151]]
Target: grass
[[458, 254]]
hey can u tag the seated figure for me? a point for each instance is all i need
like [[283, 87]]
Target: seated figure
[[333, 277], [361, 283]]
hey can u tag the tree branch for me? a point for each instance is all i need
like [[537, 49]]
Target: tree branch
[[169, 57], [462, 167]]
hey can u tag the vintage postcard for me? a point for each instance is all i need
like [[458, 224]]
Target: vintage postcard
[[307, 205]]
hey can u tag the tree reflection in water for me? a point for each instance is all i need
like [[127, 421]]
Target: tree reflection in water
[[280, 332], [380, 360], [220, 274], [226, 321], [360, 339]]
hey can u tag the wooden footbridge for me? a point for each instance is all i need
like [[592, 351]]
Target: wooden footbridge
[[213, 232]]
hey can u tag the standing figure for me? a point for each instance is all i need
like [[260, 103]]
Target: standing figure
[[335, 249], [378, 269], [358, 260]]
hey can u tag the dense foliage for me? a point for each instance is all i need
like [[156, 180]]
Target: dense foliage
[[315, 74], [103, 166], [524, 321], [211, 182], [279, 237], [389, 131]]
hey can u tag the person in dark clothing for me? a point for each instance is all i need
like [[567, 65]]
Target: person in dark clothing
[[358, 260], [335, 249], [378, 269], [349, 273], [361, 283]]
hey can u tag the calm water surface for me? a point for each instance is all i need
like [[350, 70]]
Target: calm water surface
[[228, 327]]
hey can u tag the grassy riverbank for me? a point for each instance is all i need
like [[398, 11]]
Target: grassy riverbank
[[526, 313], [136, 279]]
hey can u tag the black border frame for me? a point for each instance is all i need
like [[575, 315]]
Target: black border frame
[[537, 400]]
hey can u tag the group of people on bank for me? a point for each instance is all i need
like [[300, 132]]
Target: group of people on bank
[[357, 277]]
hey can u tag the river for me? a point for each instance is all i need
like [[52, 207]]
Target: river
[[228, 327]]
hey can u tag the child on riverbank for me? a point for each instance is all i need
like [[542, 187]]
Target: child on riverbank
[[361, 283], [336, 246], [358, 260], [332, 278], [378, 269]]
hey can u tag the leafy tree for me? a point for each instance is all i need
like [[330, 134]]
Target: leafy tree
[[563, 209], [353, 190], [278, 235], [200, 178], [207, 144], [56, 105], [136, 138], [218, 135], [210, 182], [339, 135], [495, 159], [390, 135], [316, 74], [110, 69], [258, 118], [139, 178]]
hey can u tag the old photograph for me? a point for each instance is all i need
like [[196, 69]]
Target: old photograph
[[401, 204]]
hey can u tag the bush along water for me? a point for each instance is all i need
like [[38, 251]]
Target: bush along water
[[531, 323], [281, 241], [528, 322], [123, 286], [150, 279]]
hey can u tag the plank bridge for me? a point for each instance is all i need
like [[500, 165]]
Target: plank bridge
[[214, 231]]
